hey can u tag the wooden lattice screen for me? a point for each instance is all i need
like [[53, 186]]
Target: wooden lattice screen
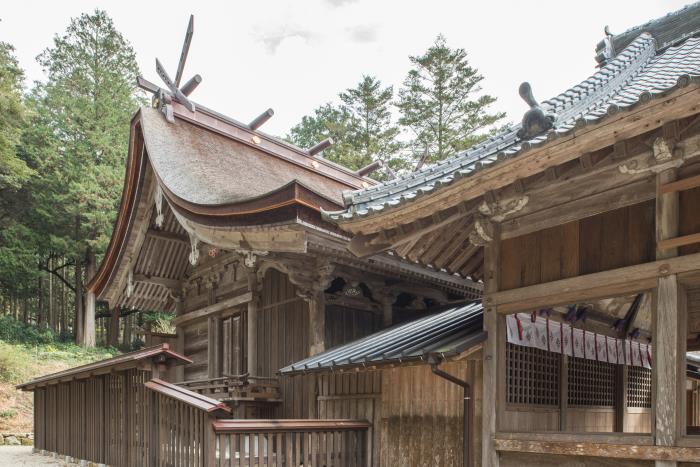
[[638, 387], [532, 376], [591, 383]]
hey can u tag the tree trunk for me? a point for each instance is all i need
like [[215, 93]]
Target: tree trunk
[[126, 343], [89, 334], [78, 321], [40, 312], [114, 328]]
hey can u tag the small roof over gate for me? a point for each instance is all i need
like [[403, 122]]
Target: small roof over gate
[[447, 334]]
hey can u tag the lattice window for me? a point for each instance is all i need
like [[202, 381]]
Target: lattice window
[[532, 376], [591, 383], [638, 387]]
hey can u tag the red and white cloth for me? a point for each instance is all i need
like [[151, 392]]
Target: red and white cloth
[[553, 336]]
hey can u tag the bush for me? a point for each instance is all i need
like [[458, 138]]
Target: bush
[[15, 331]]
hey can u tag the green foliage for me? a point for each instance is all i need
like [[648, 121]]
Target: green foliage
[[13, 170], [371, 131], [159, 321], [80, 133], [361, 127], [14, 331], [440, 104], [8, 413], [328, 121]]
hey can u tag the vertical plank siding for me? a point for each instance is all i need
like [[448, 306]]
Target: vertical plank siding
[[114, 419], [283, 338], [622, 237]]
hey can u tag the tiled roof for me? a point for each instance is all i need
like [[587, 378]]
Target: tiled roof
[[447, 333], [635, 75]]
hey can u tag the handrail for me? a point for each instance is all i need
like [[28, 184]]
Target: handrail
[[288, 425], [191, 398]]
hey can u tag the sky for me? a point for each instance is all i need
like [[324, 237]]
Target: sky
[[294, 55]]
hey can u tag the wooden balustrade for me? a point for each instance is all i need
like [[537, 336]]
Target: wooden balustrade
[[237, 388], [337, 443]]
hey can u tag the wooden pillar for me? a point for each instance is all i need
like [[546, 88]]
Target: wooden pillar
[[214, 337], [317, 322], [668, 370], [113, 339], [252, 321], [563, 391], [388, 300], [180, 348], [491, 353]]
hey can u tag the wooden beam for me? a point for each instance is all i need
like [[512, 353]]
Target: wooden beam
[[604, 284], [619, 196], [164, 281], [211, 309], [171, 236], [678, 241], [680, 185], [592, 449]]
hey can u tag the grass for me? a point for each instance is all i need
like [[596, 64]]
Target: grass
[[26, 353]]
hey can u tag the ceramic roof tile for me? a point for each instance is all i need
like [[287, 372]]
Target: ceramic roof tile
[[635, 75]]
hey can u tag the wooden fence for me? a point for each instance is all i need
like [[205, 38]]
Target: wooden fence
[[123, 420], [337, 443]]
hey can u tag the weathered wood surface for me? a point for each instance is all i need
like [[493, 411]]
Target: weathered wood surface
[[493, 356], [114, 419], [341, 443], [609, 450], [597, 285], [617, 238]]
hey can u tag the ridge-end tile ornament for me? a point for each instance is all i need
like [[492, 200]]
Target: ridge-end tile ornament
[[535, 121]]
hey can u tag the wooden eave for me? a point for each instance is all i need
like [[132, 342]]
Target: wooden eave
[[119, 363], [680, 103], [253, 211]]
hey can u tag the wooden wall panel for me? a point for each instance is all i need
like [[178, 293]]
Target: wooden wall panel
[[693, 304], [196, 348], [283, 338], [356, 396], [421, 418], [344, 325], [689, 220], [610, 240]]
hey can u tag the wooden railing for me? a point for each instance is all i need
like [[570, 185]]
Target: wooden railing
[[237, 388], [336, 443]]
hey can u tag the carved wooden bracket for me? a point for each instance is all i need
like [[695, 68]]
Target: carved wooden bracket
[[663, 157], [483, 231], [498, 210]]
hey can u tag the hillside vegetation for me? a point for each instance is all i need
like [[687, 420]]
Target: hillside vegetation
[[25, 353]]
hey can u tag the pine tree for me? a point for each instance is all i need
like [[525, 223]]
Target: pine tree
[[372, 133], [361, 127], [13, 170], [78, 144], [440, 103]]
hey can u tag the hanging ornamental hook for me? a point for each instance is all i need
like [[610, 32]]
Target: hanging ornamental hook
[[535, 121]]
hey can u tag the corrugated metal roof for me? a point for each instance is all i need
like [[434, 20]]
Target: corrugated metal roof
[[448, 333], [635, 76]]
